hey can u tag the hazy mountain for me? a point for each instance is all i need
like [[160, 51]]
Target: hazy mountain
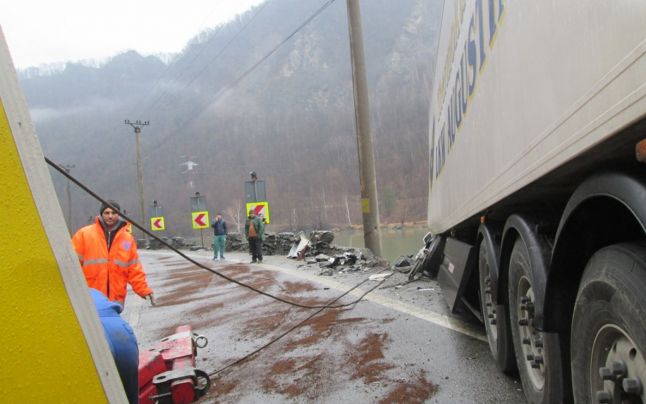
[[290, 117]]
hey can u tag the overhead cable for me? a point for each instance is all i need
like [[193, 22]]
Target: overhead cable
[[217, 55], [247, 72], [299, 324], [70, 177]]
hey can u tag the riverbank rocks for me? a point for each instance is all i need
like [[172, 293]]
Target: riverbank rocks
[[175, 242], [273, 244], [315, 250], [278, 244], [236, 242], [333, 259], [318, 236]]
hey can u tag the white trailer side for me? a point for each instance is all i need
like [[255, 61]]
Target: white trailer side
[[521, 87], [537, 189]]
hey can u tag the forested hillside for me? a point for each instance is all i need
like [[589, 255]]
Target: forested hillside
[[289, 116]]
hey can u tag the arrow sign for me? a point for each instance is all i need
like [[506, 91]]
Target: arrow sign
[[157, 223], [261, 209], [200, 220]]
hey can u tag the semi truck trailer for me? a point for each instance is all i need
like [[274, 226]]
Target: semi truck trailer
[[537, 189]]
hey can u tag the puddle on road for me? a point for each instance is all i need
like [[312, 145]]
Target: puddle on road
[[329, 353]]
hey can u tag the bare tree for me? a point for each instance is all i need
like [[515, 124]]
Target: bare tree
[[234, 212], [347, 210]]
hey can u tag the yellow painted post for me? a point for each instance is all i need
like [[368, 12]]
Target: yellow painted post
[[54, 349]]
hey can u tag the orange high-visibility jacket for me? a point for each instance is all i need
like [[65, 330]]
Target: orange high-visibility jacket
[[110, 272]]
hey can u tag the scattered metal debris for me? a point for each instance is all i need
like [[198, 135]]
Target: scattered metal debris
[[317, 249]]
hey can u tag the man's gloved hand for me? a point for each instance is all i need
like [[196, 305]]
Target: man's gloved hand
[[151, 299]]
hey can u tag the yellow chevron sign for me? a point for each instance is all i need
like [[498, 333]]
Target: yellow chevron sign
[[261, 209], [157, 223]]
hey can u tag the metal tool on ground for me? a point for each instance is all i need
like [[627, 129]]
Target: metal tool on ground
[[167, 373]]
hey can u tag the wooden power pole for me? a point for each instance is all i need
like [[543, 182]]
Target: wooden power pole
[[137, 125], [369, 204]]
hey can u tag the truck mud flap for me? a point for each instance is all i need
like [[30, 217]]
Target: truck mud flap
[[454, 274]]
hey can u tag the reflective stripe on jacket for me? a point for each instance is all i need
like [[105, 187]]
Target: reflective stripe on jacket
[[110, 272]]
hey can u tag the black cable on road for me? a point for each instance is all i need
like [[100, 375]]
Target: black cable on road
[[299, 324], [61, 170]]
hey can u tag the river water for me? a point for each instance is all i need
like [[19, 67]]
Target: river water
[[394, 242]]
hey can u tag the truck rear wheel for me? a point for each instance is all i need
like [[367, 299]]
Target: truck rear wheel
[[609, 328], [495, 317], [538, 354]]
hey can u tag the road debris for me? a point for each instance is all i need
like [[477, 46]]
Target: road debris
[[380, 277]]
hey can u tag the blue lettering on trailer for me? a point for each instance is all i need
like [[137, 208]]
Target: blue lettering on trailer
[[467, 66]]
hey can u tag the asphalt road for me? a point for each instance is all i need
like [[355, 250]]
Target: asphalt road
[[395, 346]]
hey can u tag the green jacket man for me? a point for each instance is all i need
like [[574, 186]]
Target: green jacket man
[[254, 230]]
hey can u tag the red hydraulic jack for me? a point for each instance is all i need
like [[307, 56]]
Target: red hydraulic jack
[[167, 373]]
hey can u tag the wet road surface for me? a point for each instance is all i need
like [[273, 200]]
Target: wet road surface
[[381, 350]]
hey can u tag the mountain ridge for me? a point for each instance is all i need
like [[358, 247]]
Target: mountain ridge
[[291, 119]]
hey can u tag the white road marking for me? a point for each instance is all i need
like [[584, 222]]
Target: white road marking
[[436, 318], [430, 316]]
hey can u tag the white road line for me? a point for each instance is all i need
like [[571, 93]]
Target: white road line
[[430, 316], [436, 318]]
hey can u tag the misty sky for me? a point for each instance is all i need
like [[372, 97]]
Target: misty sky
[[43, 32]]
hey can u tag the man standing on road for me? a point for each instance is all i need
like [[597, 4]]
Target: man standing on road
[[219, 236], [109, 258], [254, 231]]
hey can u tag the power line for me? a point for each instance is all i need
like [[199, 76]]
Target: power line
[[136, 224], [226, 46], [257, 64], [161, 75], [298, 325], [319, 308], [146, 106], [208, 63], [249, 71]]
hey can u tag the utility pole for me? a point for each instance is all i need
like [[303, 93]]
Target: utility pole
[[68, 168], [137, 125], [369, 204]]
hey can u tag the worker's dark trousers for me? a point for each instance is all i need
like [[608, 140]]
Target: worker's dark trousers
[[255, 249]]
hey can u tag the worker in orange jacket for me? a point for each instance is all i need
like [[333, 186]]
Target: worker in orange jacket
[[108, 254]]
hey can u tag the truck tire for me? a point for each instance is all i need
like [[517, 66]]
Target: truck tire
[[495, 318], [609, 328], [538, 354]]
